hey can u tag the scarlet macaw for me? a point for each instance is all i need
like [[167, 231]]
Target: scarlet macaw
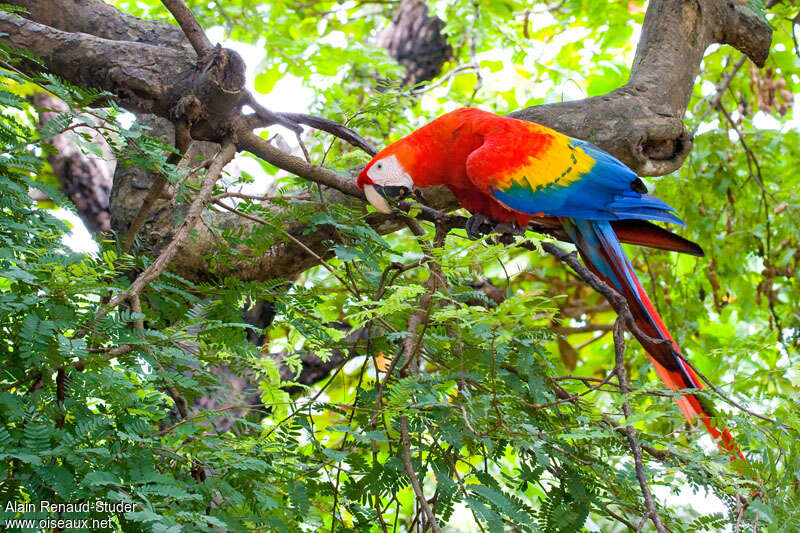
[[510, 170]]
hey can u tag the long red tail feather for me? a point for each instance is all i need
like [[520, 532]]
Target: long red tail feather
[[600, 248]]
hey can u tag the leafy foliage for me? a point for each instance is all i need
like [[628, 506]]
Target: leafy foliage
[[94, 408]]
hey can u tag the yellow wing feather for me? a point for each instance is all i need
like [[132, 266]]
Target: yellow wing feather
[[560, 163]]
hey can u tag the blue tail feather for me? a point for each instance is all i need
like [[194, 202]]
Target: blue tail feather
[[603, 253]]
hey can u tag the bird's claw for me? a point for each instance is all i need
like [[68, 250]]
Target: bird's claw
[[473, 226], [507, 229]]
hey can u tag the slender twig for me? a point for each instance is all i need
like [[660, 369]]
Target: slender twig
[[155, 268], [204, 414], [405, 452], [180, 402], [566, 330], [198, 471], [727, 399], [261, 198], [751, 158], [594, 339], [473, 49], [619, 357], [411, 346], [344, 444], [721, 88], [458, 70], [617, 517], [398, 269]]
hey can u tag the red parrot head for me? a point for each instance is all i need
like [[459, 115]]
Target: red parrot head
[[386, 179]]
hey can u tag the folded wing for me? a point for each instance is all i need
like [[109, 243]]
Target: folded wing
[[561, 177]]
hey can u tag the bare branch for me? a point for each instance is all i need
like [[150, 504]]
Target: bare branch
[[727, 399], [405, 453], [619, 353], [642, 122], [143, 77], [268, 118], [256, 145], [195, 210], [95, 17], [191, 28], [334, 128]]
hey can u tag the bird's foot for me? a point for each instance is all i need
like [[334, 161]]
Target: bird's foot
[[509, 228], [508, 232], [473, 226], [479, 224]]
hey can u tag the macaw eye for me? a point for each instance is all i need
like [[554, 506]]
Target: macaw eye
[[380, 165]]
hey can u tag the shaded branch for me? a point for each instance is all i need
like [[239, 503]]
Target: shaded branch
[[85, 180], [155, 268], [642, 122], [183, 143], [191, 28]]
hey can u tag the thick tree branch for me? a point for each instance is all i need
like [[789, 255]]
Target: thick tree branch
[[642, 122], [103, 20], [143, 77]]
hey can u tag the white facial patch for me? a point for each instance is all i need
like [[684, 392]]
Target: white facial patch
[[377, 201], [388, 172]]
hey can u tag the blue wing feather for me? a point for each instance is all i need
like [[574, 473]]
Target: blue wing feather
[[603, 193]]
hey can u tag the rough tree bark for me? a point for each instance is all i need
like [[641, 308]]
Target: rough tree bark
[[415, 40], [642, 122], [85, 180]]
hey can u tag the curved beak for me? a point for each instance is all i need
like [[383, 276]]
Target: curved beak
[[393, 193], [381, 197]]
